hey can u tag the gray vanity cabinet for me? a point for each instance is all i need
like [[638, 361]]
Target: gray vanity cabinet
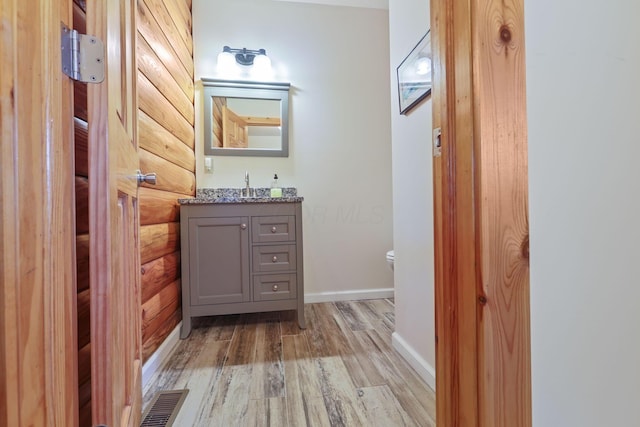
[[241, 258]]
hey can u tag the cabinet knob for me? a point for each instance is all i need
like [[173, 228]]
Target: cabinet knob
[[274, 229], [243, 226], [275, 288], [274, 259]]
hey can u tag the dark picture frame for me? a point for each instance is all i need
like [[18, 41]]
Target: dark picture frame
[[415, 75]]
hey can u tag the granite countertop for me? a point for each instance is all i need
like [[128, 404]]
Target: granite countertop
[[234, 195]]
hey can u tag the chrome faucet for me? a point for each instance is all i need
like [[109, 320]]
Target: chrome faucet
[[248, 191]]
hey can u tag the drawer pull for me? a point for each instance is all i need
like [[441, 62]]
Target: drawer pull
[[275, 288], [274, 259], [274, 229], [243, 226]]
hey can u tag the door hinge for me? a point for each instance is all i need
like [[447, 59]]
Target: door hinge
[[82, 56]]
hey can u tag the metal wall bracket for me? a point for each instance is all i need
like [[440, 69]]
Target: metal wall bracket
[[82, 56]]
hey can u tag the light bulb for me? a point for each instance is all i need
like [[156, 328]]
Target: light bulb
[[262, 65], [226, 62]]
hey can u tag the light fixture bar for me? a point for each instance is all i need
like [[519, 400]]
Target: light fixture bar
[[244, 56]]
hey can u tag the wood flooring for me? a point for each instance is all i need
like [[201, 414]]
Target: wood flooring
[[262, 370]]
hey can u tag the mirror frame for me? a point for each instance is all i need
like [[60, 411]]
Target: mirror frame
[[250, 90]]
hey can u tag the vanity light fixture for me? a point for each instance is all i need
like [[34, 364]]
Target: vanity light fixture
[[245, 56], [242, 63]]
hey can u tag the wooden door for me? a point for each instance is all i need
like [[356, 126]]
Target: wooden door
[[235, 132], [480, 211], [113, 221]]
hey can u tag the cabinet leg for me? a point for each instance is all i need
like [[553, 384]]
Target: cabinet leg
[[301, 322], [185, 330]]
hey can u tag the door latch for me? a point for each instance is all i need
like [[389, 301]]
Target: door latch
[[437, 142]]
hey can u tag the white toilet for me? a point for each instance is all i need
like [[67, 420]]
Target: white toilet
[[390, 259]]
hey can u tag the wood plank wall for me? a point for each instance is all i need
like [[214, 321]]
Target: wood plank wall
[[82, 232], [166, 138]]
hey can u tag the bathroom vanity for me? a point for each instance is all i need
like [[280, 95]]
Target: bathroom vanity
[[240, 255]]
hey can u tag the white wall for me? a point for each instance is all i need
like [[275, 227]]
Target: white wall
[[336, 59], [412, 201], [583, 100]]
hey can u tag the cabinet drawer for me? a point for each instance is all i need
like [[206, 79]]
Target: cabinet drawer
[[274, 258], [270, 287], [273, 228]]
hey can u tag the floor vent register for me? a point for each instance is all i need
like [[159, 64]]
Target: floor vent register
[[163, 408]]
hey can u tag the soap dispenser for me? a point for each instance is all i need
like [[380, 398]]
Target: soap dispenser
[[276, 191]]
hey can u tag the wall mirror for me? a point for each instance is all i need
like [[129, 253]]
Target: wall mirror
[[244, 118]]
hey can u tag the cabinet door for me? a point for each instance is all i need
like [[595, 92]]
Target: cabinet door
[[219, 260]]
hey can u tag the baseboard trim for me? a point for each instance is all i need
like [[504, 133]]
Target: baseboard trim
[[160, 356], [424, 369], [348, 295]]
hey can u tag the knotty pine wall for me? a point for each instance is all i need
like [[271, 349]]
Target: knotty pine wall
[[82, 231], [166, 140]]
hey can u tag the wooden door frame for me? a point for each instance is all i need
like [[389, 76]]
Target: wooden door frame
[[481, 214], [38, 350]]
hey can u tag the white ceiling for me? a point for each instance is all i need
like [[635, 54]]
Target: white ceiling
[[374, 4]]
